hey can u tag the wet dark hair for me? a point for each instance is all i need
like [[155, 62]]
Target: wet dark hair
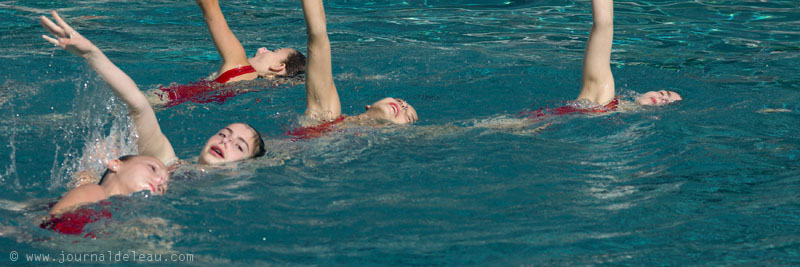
[[123, 159], [295, 63], [259, 151]]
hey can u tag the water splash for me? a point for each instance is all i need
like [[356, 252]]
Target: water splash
[[9, 91], [11, 170], [99, 125]]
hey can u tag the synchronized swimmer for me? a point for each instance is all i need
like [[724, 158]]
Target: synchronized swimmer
[[323, 109], [124, 176], [237, 141], [598, 94], [240, 141], [236, 66], [598, 81]]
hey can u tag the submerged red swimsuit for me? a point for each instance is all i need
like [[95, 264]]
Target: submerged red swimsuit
[[315, 131], [72, 222], [178, 94], [563, 110]]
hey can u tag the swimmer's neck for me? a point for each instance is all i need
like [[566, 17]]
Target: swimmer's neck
[[112, 188], [364, 119]]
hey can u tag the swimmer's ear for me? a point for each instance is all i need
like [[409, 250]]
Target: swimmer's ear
[[277, 68], [368, 107], [113, 164]]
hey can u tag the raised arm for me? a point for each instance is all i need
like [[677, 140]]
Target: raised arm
[[322, 100], [229, 48], [598, 82], [151, 141]]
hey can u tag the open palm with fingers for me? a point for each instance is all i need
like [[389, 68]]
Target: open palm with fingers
[[66, 37]]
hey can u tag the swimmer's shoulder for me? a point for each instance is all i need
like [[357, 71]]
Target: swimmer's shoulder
[[88, 193]]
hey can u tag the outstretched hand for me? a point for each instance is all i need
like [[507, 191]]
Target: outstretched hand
[[66, 37]]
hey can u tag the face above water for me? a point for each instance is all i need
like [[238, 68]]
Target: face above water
[[658, 98], [394, 110], [233, 143], [270, 62], [142, 173]]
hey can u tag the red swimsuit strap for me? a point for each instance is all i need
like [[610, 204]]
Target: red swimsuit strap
[[233, 73]]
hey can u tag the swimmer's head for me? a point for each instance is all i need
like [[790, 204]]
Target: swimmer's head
[[392, 109], [235, 142], [281, 62], [658, 98], [137, 173]]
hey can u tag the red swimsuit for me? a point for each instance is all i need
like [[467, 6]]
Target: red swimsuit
[[72, 222], [315, 131], [178, 94], [563, 110]]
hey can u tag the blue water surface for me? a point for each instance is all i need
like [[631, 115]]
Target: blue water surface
[[712, 180]]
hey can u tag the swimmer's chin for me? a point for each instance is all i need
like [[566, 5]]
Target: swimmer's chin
[[206, 158]]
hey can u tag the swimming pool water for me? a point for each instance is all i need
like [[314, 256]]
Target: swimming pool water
[[713, 180]]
